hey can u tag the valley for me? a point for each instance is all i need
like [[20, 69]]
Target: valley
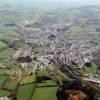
[[39, 50]]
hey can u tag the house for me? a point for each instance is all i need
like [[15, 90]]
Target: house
[[4, 98]]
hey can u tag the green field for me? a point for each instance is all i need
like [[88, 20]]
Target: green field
[[25, 92], [2, 45], [46, 90], [47, 93], [10, 85], [92, 69], [6, 53], [28, 79], [4, 93], [2, 80]]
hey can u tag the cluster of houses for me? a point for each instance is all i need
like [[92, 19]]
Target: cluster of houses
[[4, 98]]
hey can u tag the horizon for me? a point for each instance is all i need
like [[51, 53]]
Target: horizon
[[49, 4]]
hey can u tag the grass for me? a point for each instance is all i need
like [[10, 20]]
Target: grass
[[10, 85], [63, 75], [6, 53], [2, 79], [42, 73], [46, 90], [92, 69], [2, 45], [42, 91], [4, 93], [28, 79], [6, 71], [25, 92], [47, 93]]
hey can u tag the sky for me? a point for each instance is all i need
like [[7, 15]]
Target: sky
[[50, 3]]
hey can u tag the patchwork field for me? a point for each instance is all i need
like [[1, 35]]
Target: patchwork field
[[28, 90]]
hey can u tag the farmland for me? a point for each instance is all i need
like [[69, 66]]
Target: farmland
[[28, 89], [40, 50]]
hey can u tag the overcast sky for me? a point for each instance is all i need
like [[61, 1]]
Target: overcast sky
[[51, 3]]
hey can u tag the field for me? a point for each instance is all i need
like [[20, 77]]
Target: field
[[2, 45], [25, 92], [12, 37], [47, 93], [28, 90], [6, 53]]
